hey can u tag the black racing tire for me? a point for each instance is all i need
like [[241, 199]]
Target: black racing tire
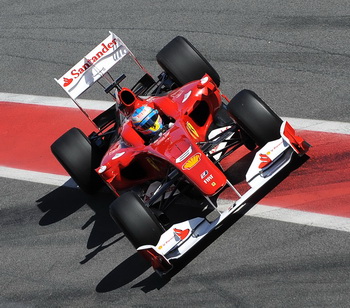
[[137, 221], [79, 158], [184, 63], [255, 117]]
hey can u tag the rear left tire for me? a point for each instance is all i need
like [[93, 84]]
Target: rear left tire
[[79, 158]]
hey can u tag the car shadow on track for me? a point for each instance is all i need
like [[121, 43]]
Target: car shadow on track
[[135, 265], [126, 272], [64, 201]]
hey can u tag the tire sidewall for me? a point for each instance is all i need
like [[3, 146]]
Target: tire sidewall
[[136, 220], [79, 158], [255, 117]]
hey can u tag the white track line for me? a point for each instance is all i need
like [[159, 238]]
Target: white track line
[[262, 211], [53, 101], [37, 177], [306, 124], [295, 216]]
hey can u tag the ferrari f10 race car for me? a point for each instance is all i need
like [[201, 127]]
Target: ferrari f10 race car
[[163, 139]]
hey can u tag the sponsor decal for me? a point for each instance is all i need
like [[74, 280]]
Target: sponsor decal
[[208, 179], [178, 235], [103, 50], [67, 81], [93, 66], [267, 157], [274, 148], [192, 130], [111, 45], [265, 160], [191, 162], [204, 174], [184, 155], [181, 234]]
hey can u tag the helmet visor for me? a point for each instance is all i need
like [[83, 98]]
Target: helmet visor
[[149, 121]]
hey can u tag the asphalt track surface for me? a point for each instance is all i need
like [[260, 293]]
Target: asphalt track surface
[[59, 247]]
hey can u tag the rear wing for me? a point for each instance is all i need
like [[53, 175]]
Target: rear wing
[[94, 66]]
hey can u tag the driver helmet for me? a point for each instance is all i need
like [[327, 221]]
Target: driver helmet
[[147, 120]]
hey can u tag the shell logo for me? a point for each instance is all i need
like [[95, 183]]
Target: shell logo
[[191, 162]]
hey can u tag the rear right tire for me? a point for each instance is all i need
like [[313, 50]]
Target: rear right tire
[[184, 63]]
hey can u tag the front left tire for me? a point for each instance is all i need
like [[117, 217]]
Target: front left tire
[[137, 221]]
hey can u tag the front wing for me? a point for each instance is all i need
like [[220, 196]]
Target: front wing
[[267, 163]]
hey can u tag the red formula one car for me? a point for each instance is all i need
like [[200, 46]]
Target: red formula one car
[[164, 139]]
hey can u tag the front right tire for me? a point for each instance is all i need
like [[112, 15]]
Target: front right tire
[[255, 117]]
